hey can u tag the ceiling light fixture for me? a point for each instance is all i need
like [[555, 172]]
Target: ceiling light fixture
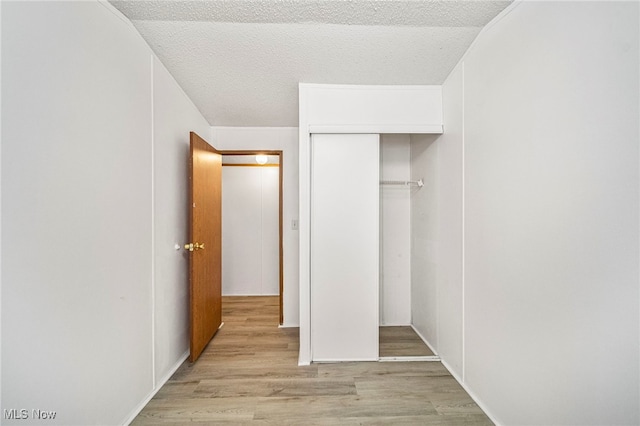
[[261, 159]]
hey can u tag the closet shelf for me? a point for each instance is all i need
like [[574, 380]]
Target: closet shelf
[[419, 183]]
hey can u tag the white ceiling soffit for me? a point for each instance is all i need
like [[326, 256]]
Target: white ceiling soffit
[[241, 61]]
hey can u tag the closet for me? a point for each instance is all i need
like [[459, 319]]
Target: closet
[[361, 305], [355, 216]]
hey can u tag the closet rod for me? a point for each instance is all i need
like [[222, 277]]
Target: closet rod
[[419, 182]]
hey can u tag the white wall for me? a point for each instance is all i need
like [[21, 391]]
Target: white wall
[[395, 231], [250, 231], [436, 220], [285, 139], [174, 116], [543, 113], [93, 172], [424, 238], [329, 108], [450, 227]]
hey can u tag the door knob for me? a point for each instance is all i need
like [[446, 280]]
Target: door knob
[[194, 246]]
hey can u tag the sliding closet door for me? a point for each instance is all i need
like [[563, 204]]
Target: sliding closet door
[[344, 247]]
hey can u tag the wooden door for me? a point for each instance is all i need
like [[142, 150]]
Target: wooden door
[[205, 232]]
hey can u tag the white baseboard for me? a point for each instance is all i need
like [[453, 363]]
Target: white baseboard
[[289, 326], [473, 396], [460, 381], [159, 385], [424, 339]]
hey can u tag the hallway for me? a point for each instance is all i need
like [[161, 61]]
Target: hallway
[[249, 375]]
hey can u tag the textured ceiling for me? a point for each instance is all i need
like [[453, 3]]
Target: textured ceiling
[[241, 61]]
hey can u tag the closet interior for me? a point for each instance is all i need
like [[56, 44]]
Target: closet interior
[[405, 192]]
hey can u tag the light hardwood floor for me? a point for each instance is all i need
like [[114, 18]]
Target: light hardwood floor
[[249, 375], [401, 341]]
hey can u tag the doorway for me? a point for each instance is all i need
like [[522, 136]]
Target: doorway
[[252, 224]]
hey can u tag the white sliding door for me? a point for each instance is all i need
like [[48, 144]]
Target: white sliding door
[[344, 247]]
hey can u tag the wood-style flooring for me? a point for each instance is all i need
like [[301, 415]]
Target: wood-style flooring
[[401, 341], [249, 374]]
